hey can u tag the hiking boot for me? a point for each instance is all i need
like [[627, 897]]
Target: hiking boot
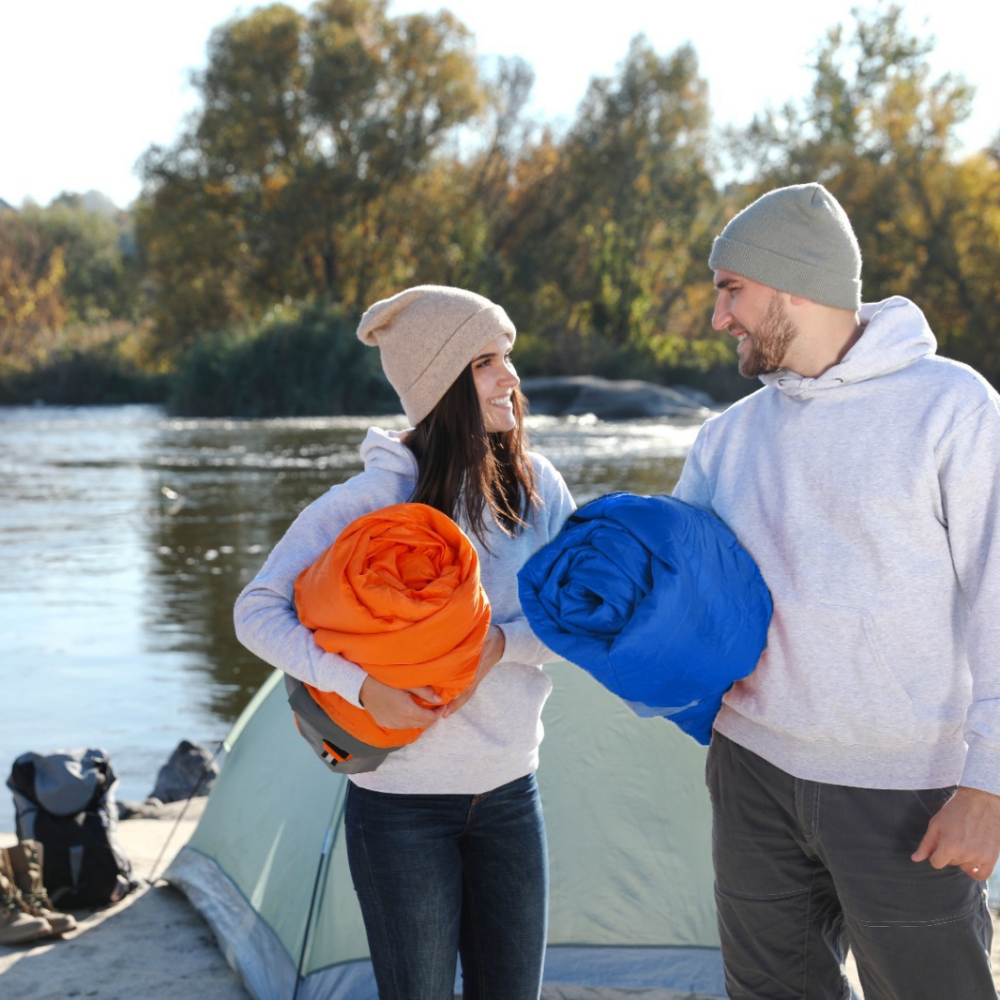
[[16, 924], [26, 865]]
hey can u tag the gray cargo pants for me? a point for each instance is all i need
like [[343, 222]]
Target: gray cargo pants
[[804, 869]]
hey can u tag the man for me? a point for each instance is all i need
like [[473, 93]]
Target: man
[[855, 775]]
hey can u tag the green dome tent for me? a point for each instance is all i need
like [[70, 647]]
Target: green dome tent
[[628, 824]]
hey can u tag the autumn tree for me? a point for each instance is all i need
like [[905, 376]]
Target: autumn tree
[[880, 132], [96, 239], [32, 271], [282, 185], [608, 227], [444, 225]]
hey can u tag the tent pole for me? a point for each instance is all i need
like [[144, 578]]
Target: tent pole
[[320, 866]]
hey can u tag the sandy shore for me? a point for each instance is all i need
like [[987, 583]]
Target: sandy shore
[[153, 945]]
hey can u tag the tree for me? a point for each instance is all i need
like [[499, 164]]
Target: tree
[[309, 126], [32, 271], [608, 228], [880, 133], [445, 226], [101, 280]]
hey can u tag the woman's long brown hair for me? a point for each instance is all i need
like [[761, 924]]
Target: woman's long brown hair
[[463, 468]]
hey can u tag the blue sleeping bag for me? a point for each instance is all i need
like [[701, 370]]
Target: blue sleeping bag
[[654, 598]]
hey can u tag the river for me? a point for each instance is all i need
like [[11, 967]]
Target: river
[[127, 534]]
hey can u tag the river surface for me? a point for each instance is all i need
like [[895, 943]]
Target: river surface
[[127, 534]]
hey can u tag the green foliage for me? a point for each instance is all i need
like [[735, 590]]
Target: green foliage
[[294, 363], [32, 271], [880, 133], [82, 365], [189, 264], [340, 155], [65, 264], [102, 279], [609, 228], [282, 188]]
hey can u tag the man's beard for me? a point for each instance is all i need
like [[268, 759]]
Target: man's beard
[[769, 343]]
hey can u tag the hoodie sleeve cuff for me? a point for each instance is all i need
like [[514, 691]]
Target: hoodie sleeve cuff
[[522, 645], [982, 769], [345, 678]]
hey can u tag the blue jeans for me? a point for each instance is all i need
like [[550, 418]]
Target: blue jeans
[[443, 876], [804, 869]]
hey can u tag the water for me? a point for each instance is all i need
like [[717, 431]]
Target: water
[[126, 536]]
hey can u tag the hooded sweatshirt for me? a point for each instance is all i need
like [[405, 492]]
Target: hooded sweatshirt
[[494, 738], [869, 497]]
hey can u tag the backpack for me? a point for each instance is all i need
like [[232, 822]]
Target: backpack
[[66, 802]]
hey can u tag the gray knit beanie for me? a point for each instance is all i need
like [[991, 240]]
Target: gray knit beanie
[[426, 336], [797, 239]]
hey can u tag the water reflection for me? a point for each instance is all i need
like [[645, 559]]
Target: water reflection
[[234, 487], [127, 535]]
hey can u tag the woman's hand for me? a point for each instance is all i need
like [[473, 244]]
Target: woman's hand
[[395, 708], [493, 649]]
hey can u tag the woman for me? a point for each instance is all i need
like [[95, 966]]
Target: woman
[[445, 839]]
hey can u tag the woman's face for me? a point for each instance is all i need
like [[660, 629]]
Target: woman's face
[[496, 380]]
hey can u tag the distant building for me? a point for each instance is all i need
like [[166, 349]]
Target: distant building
[[5, 207]]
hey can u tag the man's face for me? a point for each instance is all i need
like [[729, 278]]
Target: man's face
[[755, 315]]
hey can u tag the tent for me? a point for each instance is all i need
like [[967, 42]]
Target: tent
[[628, 824]]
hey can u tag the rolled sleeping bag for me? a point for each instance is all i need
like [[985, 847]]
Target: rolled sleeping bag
[[654, 598], [399, 594]]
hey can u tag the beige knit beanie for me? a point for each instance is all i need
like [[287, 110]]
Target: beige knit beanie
[[797, 239], [426, 336]]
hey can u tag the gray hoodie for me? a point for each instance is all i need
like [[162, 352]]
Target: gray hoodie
[[494, 738], [869, 497]]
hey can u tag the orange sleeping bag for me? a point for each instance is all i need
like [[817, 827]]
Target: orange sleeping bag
[[398, 593]]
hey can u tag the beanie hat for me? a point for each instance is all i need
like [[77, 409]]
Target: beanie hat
[[797, 239], [426, 336]]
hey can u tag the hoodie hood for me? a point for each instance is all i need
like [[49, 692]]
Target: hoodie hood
[[385, 451], [895, 336]]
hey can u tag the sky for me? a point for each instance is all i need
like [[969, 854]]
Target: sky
[[89, 86]]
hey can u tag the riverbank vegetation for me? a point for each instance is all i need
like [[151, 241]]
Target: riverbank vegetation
[[341, 155]]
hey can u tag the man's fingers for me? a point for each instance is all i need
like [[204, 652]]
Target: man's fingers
[[926, 847], [980, 872]]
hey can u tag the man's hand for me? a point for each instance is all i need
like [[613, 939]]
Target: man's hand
[[395, 708], [965, 832], [493, 649]]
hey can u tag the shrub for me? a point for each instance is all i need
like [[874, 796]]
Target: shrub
[[85, 364], [307, 362]]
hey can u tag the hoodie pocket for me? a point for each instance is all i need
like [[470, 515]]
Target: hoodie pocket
[[823, 677]]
